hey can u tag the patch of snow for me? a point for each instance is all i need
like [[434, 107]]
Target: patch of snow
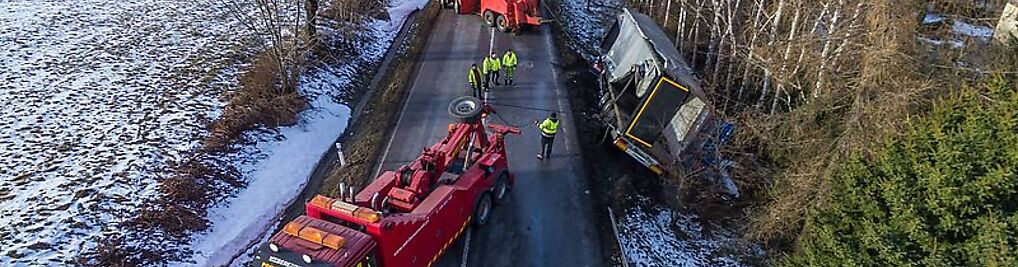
[[96, 97], [933, 18], [954, 43], [726, 179], [967, 29], [400, 10], [587, 22], [653, 235]]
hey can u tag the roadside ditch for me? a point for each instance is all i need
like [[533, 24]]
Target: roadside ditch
[[659, 221]]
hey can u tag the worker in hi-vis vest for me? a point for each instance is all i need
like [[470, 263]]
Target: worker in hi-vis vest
[[492, 66], [474, 77], [509, 62], [548, 128]]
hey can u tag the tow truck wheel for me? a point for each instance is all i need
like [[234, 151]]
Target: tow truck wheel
[[466, 108], [489, 18], [482, 211], [501, 189], [502, 24]]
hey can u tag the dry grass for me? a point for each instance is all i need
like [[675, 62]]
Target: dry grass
[[355, 11], [259, 102], [111, 252]]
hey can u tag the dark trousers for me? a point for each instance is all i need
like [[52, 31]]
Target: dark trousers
[[546, 142], [492, 77], [476, 90]]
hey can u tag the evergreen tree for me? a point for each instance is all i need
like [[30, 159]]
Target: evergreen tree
[[945, 193]]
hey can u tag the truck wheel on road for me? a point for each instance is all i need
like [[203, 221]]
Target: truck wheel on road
[[502, 24], [482, 210], [489, 18], [467, 109], [501, 189]]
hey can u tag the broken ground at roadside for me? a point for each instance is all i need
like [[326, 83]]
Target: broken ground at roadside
[[655, 235], [653, 231]]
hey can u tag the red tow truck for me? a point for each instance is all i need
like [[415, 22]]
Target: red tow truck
[[410, 216], [505, 15]]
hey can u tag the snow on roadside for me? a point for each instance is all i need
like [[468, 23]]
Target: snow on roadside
[[961, 32], [96, 96], [273, 183], [652, 235], [967, 29], [400, 10], [588, 22], [285, 166]]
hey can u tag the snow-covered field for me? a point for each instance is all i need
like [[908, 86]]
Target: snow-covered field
[[95, 97]]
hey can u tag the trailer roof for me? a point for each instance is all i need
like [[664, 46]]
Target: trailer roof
[[357, 246], [635, 39]]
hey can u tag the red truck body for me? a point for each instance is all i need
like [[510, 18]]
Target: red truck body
[[506, 15], [407, 217]]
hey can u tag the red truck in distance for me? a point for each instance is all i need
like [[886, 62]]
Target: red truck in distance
[[505, 15]]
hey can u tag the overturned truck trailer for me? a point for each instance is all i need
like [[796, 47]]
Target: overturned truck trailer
[[651, 103]]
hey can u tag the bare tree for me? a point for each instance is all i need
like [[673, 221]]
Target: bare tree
[[276, 27]]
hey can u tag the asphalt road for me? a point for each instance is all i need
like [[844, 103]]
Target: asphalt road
[[549, 220]]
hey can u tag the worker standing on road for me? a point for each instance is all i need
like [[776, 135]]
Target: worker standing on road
[[474, 77], [509, 61], [492, 66], [548, 129]]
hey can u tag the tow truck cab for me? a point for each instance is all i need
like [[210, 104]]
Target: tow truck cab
[[308, 242]]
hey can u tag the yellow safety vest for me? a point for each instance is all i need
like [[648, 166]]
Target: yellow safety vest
[[491, 64], [472, 76], [509, 59], [549, 127]]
